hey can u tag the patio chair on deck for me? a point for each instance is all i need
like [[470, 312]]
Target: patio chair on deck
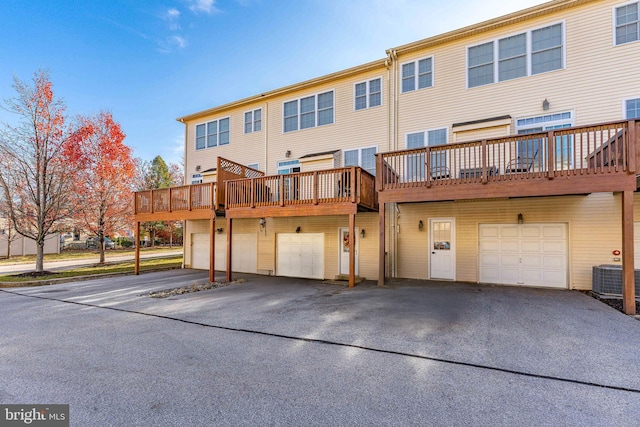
[[520, 164], [440, 172]]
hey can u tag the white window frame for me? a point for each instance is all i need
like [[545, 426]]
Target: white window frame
[[316, 111], [614, 24], [417, 74], [418, 173], [288, 166], [254, 166], [624, 107], [546, 125], [195, 178], [206, 135], [367, 94], [359, 150], [255, 125], [529, 54]]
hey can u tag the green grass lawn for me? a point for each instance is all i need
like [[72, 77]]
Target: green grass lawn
[[121, 267], [82, 254]]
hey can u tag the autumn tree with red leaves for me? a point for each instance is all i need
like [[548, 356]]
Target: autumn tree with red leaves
[[37, 163], [105, 182]]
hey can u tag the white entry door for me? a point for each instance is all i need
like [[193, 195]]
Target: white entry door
[[300, 255], [442, 253], [524, 254], [344, 248]]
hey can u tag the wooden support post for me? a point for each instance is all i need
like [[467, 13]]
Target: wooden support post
[[229, 235], [379, 172], [632, 141], [136, 268], [427, 166], [352, 183], [352, 250], [212, 250], [551, 162], [484, 161], [381, 250], [316, 184], [628, 282]]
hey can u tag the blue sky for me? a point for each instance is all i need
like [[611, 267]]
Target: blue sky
[[149, 62]]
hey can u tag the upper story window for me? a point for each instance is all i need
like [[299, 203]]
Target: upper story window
[[308, 112], [417, 74], [632, 108], [255, 166], [363, 157], [368, 94], [253, 121], [528, 53], [212, 134], [627, 23]]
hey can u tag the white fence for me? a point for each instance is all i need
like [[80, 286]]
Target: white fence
[[24, 246]]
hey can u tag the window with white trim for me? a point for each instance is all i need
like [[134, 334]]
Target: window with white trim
[[532, 52], [363, 157], [627, 24], [196, 178], [308, 112], [632, 108], [212, 134], [253, 121], [288, 166], [255, 166], [438, 160], [417, 74], [368, 94], [530, 150]]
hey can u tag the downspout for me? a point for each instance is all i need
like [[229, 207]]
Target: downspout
[[392, 208], [265, 129]]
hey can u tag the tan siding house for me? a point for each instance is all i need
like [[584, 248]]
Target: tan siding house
[[461, 193]]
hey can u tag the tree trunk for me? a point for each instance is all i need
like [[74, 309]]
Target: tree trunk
[[40, 256], [102, 250]]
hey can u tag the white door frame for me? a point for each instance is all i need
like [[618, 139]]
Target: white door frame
[[452, 248], [340, 243]]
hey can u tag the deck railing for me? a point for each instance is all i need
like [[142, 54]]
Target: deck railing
[[343, 185], [176, 199], [597, 149]]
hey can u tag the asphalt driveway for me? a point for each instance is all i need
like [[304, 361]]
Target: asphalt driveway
[[300, 352]]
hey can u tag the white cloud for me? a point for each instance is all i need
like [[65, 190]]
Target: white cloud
[[172, 16], [206, 6], [179, 41]]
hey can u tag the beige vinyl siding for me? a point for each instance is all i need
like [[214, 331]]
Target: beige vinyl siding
[[596, 78], [317, 163], [594, 225]]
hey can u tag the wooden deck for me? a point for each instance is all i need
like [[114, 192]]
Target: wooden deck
[[196, 201], [580, 160], [327, 192]]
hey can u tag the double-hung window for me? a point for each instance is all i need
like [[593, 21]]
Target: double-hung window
[[519, 55], [363, 157], [627, 24], [368, 94], [632, 108], [253, 121], [308, 112], [417, 74], [438, 160], [212, 134]]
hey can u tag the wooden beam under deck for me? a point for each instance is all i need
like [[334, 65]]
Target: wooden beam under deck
[[628, 282], [177, 215], [291, 211], [531, 187]]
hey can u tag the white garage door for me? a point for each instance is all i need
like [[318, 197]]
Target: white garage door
[[301, 255], [527, 255], [245, 252]]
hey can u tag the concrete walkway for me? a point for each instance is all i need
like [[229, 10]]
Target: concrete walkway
[[301, 352]]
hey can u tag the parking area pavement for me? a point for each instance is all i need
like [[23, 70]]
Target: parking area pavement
[[303, 352]]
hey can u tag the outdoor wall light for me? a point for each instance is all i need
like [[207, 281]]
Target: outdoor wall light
[[420, 225], [362, 233], [219, 230], [263, 223], [287, 154], [545, 104], [298, 229], [520, 219]]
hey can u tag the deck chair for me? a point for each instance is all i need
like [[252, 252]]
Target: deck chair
[[440, 172]]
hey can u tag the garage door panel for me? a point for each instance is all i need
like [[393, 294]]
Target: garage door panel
[[300, 255], [529, 254], [245, 252]]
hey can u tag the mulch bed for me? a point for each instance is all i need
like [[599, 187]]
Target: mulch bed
[[612, 302], [34, 274], [196, 287]]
